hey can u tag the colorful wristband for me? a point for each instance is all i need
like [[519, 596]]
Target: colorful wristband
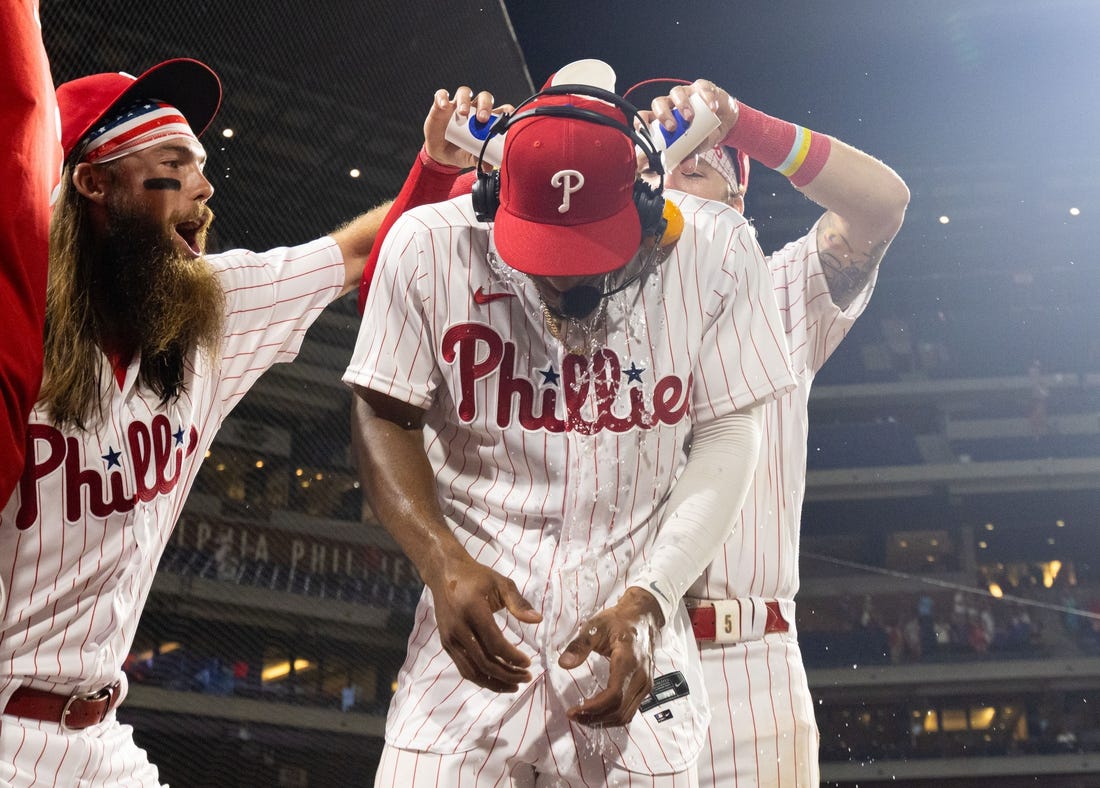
[[792, 150]]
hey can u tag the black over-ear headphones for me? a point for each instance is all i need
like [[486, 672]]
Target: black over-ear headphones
[[648, 200]]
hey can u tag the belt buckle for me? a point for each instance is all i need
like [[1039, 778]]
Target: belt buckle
[[103, 693]]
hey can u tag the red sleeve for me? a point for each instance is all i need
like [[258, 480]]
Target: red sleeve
[[464, 184], [29, 170], [428, 182]]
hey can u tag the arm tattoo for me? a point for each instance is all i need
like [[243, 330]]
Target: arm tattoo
[[846, 269]]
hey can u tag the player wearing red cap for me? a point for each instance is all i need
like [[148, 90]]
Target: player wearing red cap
[[148, 346], [523, 407], [763, 731], [29, 171]]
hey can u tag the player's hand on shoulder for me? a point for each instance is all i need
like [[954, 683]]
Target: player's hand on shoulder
[[466, 595], [443, 109], [624, 634]]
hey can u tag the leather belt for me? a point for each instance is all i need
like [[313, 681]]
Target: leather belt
[[73, 712], [704, 621]]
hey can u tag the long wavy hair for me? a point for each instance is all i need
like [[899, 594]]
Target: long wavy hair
[[96, 301]]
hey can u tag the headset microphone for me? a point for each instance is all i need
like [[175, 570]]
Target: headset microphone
[[579, 302], [658, 218]]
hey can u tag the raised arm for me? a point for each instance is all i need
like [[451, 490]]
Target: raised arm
[[397, 479], [436, 169], [865, 203], [865, 200], [29, 170], [356, 239]]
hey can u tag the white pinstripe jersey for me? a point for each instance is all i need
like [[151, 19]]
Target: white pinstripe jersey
[[552, 466], [81, 536], [763, 730], [761, 557]]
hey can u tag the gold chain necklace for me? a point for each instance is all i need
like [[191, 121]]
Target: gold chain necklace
[[558, 330]]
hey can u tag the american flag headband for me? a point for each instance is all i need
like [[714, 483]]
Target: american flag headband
[[141, 125]]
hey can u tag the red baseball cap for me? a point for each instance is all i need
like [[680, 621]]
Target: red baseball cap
[[567, 193], [190, 86]]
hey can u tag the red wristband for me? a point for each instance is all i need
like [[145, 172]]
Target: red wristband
[[793, 150]]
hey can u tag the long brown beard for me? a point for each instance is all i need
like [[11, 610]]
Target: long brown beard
[[156, 300], [134, 293]]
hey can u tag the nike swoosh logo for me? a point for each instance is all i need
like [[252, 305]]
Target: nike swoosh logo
[[658, 592], [481, 297]]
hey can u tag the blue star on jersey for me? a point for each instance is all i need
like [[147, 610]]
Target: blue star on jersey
[[549, 376], [634, 373]]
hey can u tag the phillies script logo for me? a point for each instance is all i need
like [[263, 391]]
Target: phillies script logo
[[153, 448], [480, 352]]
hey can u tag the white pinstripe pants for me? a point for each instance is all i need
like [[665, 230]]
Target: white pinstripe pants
[[762, 731], [37, 754], [535, 747]]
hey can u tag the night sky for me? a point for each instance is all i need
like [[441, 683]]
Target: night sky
[[939, 80], [989, 109]]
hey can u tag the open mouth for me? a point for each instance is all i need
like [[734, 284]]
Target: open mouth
[[192, 234]]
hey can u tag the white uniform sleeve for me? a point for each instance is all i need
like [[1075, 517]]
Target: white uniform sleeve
[[714, 483], [393, 353], [743, 362], [271, 299], [815, 324], [743, 358]]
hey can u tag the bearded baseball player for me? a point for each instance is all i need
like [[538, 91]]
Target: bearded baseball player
[[526, 382], [763, 732], [149, 345], [29, 171]]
